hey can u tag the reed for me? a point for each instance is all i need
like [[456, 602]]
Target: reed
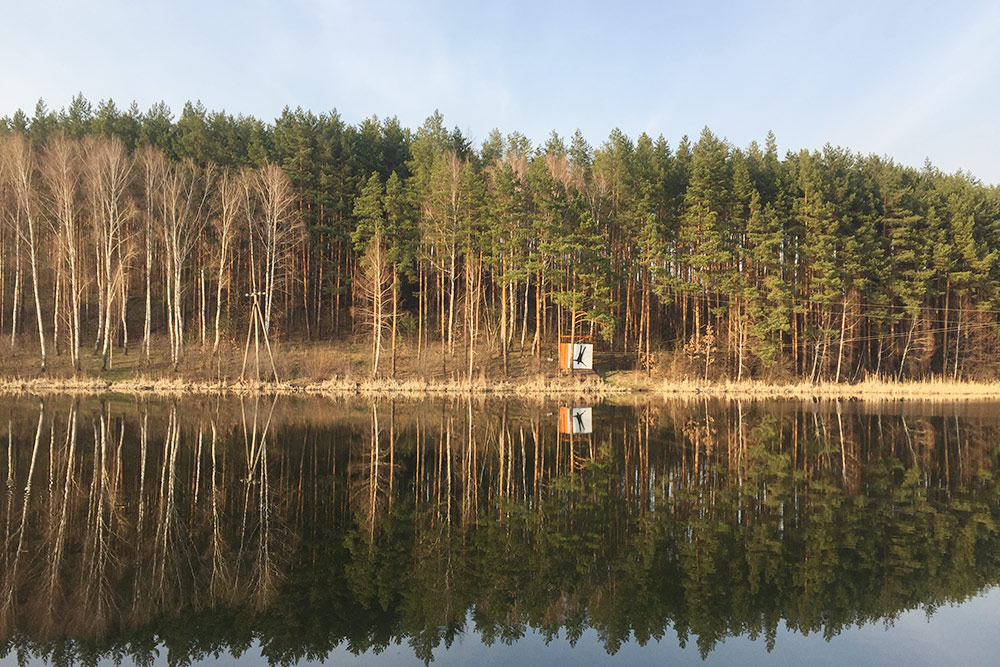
[[869, 389], [531, 385]]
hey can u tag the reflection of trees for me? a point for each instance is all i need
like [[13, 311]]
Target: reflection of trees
[[370, 474], [220, 586], [107, 527], [57, 528], [15, 543], [402, 522], [259, 525]]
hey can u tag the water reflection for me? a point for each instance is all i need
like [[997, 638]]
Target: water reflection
[[304, 525]]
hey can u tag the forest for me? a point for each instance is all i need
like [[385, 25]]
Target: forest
[[141, 233]]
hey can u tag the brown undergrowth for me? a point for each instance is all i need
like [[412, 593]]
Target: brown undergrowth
[[538, 386], [343, 368]]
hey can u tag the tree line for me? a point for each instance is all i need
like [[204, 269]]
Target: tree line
[[704, 258]]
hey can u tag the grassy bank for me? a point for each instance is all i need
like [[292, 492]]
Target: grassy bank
[[629, 383], [336, 387], [871, 389], [333, 369], [343, 368]]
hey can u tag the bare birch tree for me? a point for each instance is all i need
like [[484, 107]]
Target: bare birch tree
[[18, 160], [273, 229], [374, 280], [374, 285], [186, 204], [62, 175], [109, 172], [154, 170], [230, 198], [442, 213], [278, 229]]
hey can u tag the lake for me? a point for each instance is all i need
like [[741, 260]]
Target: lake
[[484, 531]]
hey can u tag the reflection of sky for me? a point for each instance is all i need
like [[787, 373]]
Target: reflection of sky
[[966, 634]]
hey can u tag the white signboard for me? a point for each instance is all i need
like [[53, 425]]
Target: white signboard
[[582, 357], [581, 420]]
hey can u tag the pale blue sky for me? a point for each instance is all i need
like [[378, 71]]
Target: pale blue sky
[[906, 79]]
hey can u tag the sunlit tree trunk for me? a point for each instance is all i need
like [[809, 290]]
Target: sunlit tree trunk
[[187, 207], [230, 195], [109, 170], [278, 229], [62, 175], [154, 168], [19, 164], [374, 284]]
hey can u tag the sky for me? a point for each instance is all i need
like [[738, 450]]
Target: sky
[[909, 80]]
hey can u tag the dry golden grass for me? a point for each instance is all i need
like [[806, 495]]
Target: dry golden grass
[[342, 368], [871, 389], [534, 386], [334, 369], [336, 387]]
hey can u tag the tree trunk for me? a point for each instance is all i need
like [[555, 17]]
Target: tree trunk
[[537, 343], [32, 249], [3, 278], [395, 315], [503, 325], [55, 308], [906, 349], [524, 320], [649, 306], [123, 287], [148, 314], [452, 281], [421, 309], [958, 335], [944, 333], [218, 292], [843, 332], [203, 305]]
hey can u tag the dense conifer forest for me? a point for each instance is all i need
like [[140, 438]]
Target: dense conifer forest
[[121, 227]]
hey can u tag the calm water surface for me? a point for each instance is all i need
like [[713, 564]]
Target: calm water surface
[[460, 531]]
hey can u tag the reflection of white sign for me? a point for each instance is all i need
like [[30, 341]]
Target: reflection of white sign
[[583, 357], [581, 421]]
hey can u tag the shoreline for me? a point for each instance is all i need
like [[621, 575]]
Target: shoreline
[[538, 387]]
